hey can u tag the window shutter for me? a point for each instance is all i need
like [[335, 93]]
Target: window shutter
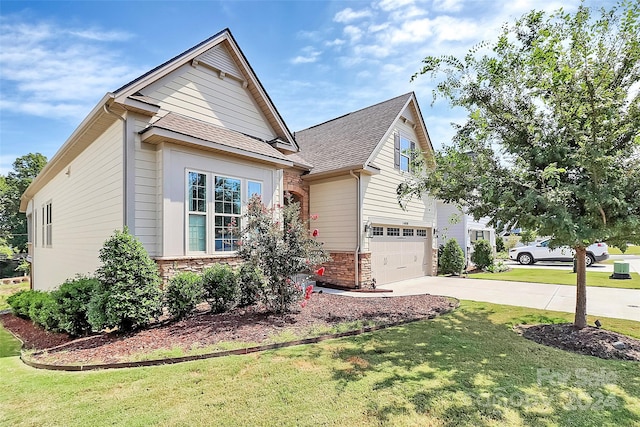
[[396, 151]]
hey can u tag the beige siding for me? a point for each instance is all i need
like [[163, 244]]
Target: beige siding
[[147, 214], [200, 93], [380, 202], [334, 202], [87, 206]]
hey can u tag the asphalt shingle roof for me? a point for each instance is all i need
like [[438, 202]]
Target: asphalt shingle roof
[[349, 140], [212, 133]]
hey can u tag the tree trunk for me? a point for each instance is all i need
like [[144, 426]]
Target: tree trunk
[[581, 288]]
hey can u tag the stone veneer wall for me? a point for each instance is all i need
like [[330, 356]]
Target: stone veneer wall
[[340, 270], [294, 184], [169, 267]]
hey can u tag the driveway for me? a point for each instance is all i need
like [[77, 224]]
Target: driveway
[[606, 302]]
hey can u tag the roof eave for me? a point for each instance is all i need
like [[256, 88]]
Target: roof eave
[[363, 169]]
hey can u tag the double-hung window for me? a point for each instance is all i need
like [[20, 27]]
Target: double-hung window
[[47, 225], [404, 151], [197, 191], [228, 205]]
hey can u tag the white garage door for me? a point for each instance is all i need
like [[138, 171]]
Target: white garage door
[[398, 253]]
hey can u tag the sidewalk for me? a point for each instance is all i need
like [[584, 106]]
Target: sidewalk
[[606, 302]]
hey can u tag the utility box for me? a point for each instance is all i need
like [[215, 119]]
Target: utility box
[[620, 270]]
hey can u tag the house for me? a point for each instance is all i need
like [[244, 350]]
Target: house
[[175, 154], [453, 223], [357, 161]]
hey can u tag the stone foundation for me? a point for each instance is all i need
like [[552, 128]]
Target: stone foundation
[[340, 271], [169, 267]]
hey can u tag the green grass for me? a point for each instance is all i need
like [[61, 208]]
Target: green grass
[[631, 250], [560, 277], [467, 368], [7, 290]]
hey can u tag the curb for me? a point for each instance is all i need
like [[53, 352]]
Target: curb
[[237, 352]]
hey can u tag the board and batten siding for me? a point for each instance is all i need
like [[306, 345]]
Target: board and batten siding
[[380, 202], [147, 194], [334, 201], [87, 207], [177, 160], [199, 92]]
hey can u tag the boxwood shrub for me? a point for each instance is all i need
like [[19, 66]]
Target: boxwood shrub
[[183, 293], [72, 300], [221, 289]]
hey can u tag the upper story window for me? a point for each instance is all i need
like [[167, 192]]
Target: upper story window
[[404, 149]]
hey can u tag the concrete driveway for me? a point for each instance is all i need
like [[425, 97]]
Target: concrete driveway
[[606, 302]]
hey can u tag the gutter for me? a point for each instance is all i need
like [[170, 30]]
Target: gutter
[[359, 233], [125, 161]]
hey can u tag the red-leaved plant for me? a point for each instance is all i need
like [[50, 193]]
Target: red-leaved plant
[[277, 242]]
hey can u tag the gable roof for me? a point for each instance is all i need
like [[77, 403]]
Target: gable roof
[[128, 97], [349, 142]]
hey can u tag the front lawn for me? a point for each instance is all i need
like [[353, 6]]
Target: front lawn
[[7, 290], [631, 250], [467, 368], [560, 277]]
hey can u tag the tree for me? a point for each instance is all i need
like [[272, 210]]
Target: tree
[[452, 259], [13, 224], [552, 141], [528, 236]]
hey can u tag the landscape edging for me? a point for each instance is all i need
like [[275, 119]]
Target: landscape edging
[[236, 352]]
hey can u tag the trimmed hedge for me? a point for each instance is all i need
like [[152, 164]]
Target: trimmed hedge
[[72, 300], [221, 289], [183, 293]]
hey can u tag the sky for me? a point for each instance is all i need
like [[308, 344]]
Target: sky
[[316, 59]]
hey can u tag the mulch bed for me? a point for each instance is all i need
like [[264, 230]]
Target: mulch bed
[[590, 341], [251, 325]]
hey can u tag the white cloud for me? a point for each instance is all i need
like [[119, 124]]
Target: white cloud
[[309, 55], [353, 33], [388, 5], [349, 15], [334, 42], [51, 71], [447, 5]]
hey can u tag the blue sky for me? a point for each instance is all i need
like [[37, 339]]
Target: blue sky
[[316, 59]]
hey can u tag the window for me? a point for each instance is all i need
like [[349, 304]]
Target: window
[[197, 193], [47, 229], [254, 188], [227, 200], [421, 232], [403, 154], [407, 232], [393, 231], [377, 231]]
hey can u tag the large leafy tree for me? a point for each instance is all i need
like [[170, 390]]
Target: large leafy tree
[[552, 138], [13, 224]]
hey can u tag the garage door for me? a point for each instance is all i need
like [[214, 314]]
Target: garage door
[[398, 253]]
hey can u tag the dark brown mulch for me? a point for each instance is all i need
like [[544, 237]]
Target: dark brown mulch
[[250, 325], [590, 341]]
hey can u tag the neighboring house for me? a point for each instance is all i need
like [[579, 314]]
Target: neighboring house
[[454, 224], [175, 155], [358, 161]]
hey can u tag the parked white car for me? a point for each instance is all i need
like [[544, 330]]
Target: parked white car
[[541, 252]]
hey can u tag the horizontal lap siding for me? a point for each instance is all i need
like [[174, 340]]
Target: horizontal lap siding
[[199, 93], [87, 209], [147, 207], [451, 225], [380, 199], [335, 204]]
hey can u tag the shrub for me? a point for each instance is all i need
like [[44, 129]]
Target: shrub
[[73, 299], [440, 252], [452, 258], [498, 267], [221, 288], [44, 311], [128, 295], [251, 284], [21, 301], [500, 247], [279, 244], [183, 293], [482, 255]]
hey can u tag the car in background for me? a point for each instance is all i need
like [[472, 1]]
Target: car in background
[[531, 254]]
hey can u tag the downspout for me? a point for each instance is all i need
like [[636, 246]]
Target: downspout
[[125, 162], [359, 233]]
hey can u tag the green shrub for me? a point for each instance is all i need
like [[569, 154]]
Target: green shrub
[[183, 293], [251, 284], [482, 255], [44, 311], [221, 289], [440, 252], [500, 247], [73, 299], [452, 258], [128, 295], [20, 302]]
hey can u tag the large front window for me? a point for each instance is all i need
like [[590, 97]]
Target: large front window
[[228, 203], [197, 212]]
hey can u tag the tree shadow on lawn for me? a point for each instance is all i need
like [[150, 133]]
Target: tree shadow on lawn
[[462, 369]]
